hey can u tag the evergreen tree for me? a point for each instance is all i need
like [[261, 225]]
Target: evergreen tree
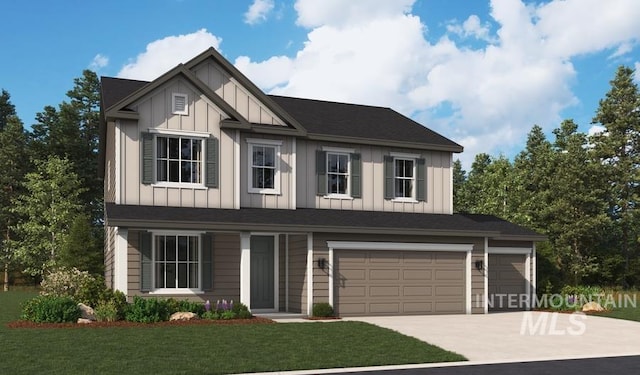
[[7, 109], [81, 248], [459, 178], [618, 149], [13, 164]]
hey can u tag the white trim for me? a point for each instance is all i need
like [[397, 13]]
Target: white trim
[[184, 133], [353, 245], [405, 200], [347, 194], [414, 178], [338, 196], [293, 186], [338, 150], [236, 171], [486, 275], [451, 187], [245, 268], [276, 164], [286, 272], [169, 232], [467, 298], [527, 278], [260, 141], [310, 274], [534, 271], [120, 267], [179, 185], [117, 167], [509, 250], [331, 281], [176, 291], [402, 155], [185, 111]]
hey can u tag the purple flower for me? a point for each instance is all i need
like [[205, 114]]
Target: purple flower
[[218, 305], [231, 305], [207, 306]]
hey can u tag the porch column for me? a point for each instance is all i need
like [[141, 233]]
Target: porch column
[[120, 268], [245, 268]]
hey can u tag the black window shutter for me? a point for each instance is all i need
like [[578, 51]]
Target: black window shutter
[[207, 262], [420, 180], [147, 158], [321, 172], [212, 163], [356, 176], [388, 177], [146, 262]]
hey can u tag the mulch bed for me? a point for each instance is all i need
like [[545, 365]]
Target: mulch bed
[[323, 318], [175, 323]]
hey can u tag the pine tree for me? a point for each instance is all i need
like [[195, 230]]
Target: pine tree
[[7, 109]]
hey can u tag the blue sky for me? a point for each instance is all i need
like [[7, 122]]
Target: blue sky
[[479, 72]]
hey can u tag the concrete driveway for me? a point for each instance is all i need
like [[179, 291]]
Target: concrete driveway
[[520, 336]]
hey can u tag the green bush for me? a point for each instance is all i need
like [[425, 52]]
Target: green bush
[[572, 297], [185, 305], [148, 310], [241, 310], [211, 315], [117, 299], [106, 311], [51, 309], [322, 309], [81, 286], [228, 315]]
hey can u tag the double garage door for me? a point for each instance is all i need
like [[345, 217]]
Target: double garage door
[[379, 282]]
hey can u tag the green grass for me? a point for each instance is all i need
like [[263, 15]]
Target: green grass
[[202, 349], [624, 310]]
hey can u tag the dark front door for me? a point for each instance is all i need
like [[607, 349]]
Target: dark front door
[[262, 277]]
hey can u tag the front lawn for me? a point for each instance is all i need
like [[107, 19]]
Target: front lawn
[[202, 349], [626, 308]]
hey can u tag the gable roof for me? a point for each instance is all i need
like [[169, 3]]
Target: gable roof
[[319, 220], [326, 120]]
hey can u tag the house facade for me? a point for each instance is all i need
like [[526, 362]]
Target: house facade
[[215, 190]]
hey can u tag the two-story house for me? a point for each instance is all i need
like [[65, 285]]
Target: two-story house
[[215, 190]]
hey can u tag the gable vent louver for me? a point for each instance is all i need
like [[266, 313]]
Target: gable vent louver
[[180, 104]]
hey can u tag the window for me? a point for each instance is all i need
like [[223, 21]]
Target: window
[[178, 159], [176, 262], [404, 178], [179, 104], [337, 173], [264, 174]]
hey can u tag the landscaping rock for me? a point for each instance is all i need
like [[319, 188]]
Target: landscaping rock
[[84, 321], [183, 316], [592, 307], [87, 312]]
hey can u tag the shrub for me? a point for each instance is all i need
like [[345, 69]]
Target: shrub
[[106, 311], [185, 305], [81, 286], [51, 309], [573, 297], [322, 309], [228, 315], [117, 299], [148, 310], [241, 310], [211, 315]]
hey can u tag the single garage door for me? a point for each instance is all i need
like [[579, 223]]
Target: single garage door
[[507, 281], [386, 282]]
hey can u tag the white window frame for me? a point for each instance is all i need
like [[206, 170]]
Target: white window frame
[[179, 134], [163, 291], [185, 97], [347, 194], [413, 160], [276, 145]]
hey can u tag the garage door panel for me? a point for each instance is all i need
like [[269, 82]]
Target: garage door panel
[[417, 274], [384, 291], [506, 277], [414, 291], [399, 282]]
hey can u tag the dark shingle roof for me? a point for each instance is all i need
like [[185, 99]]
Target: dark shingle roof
[[358, 121], [116, 89], [319, 220], [323, 118]]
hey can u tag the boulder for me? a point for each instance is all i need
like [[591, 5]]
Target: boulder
[[86, 312], [84, 321], [182, 315], [592, 307]]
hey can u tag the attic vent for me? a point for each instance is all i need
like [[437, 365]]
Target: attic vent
[[179, 104]]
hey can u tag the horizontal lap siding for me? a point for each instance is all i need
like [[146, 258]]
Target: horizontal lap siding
[[297, 273]]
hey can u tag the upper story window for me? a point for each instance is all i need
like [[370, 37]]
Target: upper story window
[[179, 104], [264, 166], [338, 173], [178, 159], [184, 159], [404, 177]]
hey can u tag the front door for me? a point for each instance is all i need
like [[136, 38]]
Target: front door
[[262, 275]]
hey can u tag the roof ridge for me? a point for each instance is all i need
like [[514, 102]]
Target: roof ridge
[[330, 101], [125, 79]]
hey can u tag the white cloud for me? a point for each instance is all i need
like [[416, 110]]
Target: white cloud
[[314, 13], [258, 11], [98, 62], [164, 54], [267, 74], [636, 75], [472, 27], [596, 129]]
